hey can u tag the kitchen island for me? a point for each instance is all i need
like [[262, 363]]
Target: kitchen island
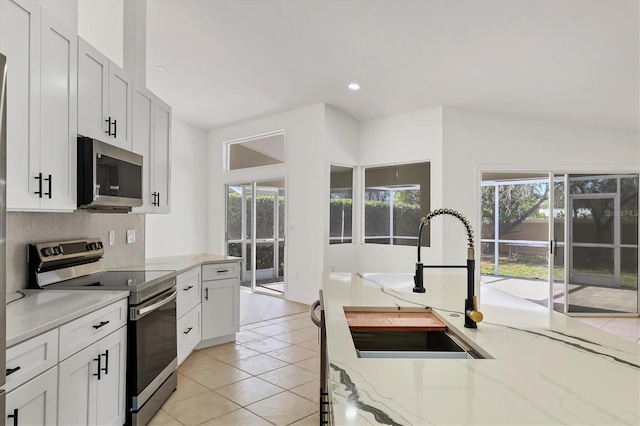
[[540, 368]]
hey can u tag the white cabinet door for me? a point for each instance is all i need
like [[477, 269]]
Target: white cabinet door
[[120, 99], [111, 383], [34, 403], [161, 156], [189, 333], [20, 43], [58, 114], [78, 387], [93, 78], [142, 122], [220, 308]]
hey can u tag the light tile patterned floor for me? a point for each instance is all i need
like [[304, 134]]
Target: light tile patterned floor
[[628, 328], [269, 376]]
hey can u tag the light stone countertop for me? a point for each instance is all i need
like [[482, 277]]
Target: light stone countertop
[[44, 310], [546, 368], [184, 263]]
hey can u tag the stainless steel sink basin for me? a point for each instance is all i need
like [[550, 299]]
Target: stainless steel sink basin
[[412, 344]]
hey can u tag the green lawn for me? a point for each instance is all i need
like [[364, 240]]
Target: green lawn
[[535, 267]]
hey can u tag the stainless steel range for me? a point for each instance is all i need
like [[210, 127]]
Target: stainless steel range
[[151, 329]]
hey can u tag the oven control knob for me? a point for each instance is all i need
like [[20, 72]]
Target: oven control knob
[[99, 244], [46, 252], [92, 246], [57, 250]]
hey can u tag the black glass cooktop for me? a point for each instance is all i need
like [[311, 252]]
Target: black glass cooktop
[[133, 281]]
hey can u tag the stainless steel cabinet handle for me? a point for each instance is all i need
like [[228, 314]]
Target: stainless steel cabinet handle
[[222, 271], [188, 288], [188, 330], [206, 293]]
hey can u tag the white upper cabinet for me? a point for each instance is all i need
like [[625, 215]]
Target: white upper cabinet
[[41, 108], [160, 157], [20, 43], [152, 140], [58, 114], [105, 94], [143, 107]]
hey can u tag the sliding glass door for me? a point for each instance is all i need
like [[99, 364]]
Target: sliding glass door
[[255, 232], [590, 223]]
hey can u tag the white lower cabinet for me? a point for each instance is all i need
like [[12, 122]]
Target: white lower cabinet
[[92, 383], [188, 312], [220, 308], [34, 403], [189, 333]]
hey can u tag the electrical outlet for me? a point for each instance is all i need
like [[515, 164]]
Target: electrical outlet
[[131, 236], [112, 237]]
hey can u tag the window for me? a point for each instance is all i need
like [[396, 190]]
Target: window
[[340, 205], [395, 198], [255, 152]]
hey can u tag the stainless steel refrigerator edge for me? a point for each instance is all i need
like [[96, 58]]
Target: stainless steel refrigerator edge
[[3, 227]]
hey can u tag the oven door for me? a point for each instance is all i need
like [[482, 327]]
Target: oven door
[[152, 354]]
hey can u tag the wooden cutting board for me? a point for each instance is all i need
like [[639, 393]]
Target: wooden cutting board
[[394, 321]]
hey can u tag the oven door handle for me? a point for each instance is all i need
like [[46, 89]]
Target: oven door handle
[[139, 312]]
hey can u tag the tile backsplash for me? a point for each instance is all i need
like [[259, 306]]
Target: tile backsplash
[[24, 228]]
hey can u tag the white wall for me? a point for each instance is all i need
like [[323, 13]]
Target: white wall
[[101, 23], [341, 139], [478, 140], [306, 176], [65, 11], [406, 138], [185, 229]]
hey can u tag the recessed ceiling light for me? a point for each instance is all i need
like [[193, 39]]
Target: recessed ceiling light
[[161, 68], [354, 86]]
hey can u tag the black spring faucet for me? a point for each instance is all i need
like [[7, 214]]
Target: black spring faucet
[[472, 315]]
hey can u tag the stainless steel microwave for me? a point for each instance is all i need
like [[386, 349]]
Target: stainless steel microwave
[[109, 178]]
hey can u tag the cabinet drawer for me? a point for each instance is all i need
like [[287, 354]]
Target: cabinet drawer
[[188, 284], [220, 271], [28, 359], [188, 333], [82, 332]]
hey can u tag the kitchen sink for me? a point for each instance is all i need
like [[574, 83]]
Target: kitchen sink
[[404, 333], [411, 344]]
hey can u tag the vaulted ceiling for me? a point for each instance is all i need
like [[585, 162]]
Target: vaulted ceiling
[[230, 61]]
